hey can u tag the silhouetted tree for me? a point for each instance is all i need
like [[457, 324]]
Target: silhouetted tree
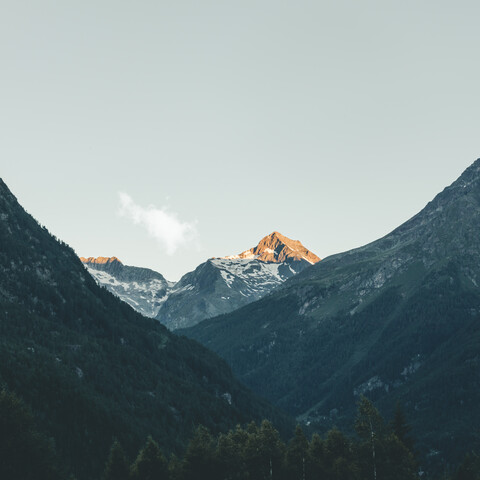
[[369, 426], [401, 428], [340, 461], [199, 461], [316, 468], [395, 461], [380, 450], [296, 457], [230, 454], [150, 463], [264, 452], [117, 467]]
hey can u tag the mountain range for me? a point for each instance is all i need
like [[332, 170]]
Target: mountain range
[[217, 286], [90, 367], [397, 320]]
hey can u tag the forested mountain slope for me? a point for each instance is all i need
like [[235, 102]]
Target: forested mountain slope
[[397, 320], [92, 368]]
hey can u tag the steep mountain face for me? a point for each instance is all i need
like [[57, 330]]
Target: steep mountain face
[[221, 285], [398, 319], [277, 248], [92, 368], [143, 289]]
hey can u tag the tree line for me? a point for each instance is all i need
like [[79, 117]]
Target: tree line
[[257, 452], [379, 451]]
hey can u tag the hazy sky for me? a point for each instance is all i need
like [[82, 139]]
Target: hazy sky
[[166, 133]]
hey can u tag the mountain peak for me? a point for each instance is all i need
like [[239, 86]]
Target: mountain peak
[[277, 248], [99, 260]]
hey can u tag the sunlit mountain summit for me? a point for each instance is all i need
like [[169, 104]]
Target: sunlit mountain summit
[[277, 248], [217, 286]]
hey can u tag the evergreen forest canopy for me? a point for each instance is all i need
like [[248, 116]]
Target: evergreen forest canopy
[[255, 452], [91, 368]]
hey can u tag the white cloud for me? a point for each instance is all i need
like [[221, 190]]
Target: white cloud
[[161, 224]]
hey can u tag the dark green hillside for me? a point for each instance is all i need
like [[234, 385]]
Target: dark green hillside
[[398, 319], [93, 369]]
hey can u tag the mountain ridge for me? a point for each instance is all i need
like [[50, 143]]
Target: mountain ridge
[[90, 367], [100, 260], [376, 320], [221, 285], [218, 285]]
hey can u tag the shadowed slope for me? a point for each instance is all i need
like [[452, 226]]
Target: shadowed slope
[[398, 319], [92, 368]]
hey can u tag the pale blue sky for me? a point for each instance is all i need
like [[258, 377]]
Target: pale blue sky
[[329, 121]]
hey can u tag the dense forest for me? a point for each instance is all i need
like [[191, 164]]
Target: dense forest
[[91, 368], [378, 450]]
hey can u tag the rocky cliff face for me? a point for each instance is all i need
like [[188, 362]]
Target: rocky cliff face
[[277, 248], [215, 287], [221, 285], [100, 261], [143, 289]]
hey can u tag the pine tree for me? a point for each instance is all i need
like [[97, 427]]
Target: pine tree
[[368, 420], [230, 454], [401, 428], [370, 427], [316, 467], [380, 451], [340, 462], [150, 463], [297, 455], [396, 461], [117, 467], [264, 452], [199, 460]]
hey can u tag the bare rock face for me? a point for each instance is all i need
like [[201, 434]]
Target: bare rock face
[[277, 248], [143, 289], [100, 260], [221, 285], [215, 287]]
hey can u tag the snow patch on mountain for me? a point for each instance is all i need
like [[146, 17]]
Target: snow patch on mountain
[[146, 296], [217, 286], [258, 276]]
